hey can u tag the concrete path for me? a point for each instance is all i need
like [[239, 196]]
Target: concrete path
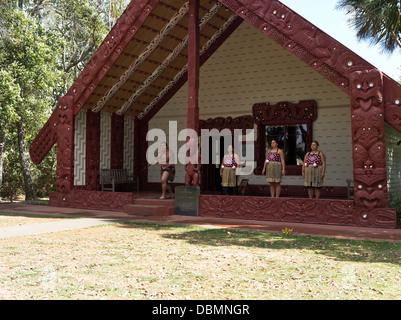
[[98, 217], [48, 227]]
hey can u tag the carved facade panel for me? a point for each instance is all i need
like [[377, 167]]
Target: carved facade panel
[[321, 211], [85, 199], [65, 144], [305, 111], [220, 123]]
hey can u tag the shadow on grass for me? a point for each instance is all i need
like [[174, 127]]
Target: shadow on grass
[[339, 249]]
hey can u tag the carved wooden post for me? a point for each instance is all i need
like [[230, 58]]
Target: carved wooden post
[[117, 142], [193, 66], [65, 144], [368, 139], [193, 79], [140, 145], [92, 149]]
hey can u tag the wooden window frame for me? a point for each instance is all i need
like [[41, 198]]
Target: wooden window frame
[[281, 114]]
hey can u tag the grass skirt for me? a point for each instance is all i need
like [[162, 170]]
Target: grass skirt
[[274, 172], [229, 177], [313, 177]]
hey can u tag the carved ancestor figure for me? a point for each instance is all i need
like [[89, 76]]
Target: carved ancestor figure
[[192, 175], [192, 167], [370, 178]]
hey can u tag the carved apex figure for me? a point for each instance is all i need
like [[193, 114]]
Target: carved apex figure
[[367, 89]]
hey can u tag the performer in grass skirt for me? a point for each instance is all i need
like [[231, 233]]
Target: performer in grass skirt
[[313, 170], [229, 171], [274, 168]]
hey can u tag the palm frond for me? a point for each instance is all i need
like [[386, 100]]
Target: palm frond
[[377, 21]]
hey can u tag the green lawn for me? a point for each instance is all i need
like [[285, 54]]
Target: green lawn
[[145, 261]]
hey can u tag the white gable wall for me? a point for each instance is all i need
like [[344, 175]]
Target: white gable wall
[[250, 68]]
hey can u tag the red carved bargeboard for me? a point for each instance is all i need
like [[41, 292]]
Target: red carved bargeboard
[[320, 211], [87, 199]]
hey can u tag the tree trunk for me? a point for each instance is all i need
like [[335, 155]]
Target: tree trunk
[[24, 160], [2, 147]]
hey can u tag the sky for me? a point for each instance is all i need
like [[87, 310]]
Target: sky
[[324, 15]]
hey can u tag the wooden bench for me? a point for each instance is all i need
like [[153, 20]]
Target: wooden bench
[[113, 177]]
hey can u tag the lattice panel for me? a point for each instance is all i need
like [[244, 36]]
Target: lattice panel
[[79, 148], [105, 140]]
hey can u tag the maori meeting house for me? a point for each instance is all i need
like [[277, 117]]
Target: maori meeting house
[[228, 64]]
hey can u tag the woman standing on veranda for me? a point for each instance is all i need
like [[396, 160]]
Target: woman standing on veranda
[[229, 171], [313, 170], [275, 168]]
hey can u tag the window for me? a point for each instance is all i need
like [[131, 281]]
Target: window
[[290, 125]]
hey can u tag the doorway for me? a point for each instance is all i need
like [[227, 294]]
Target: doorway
[[211, 181]]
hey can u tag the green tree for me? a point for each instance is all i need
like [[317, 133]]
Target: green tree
[[44, 45], [27, 57], [375, 20], [79, 27], [9, 98]]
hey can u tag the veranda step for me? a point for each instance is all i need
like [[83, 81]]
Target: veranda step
[[154, 202], [141, 209]]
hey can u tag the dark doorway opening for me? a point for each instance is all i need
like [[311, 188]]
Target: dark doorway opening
[[211, 172]]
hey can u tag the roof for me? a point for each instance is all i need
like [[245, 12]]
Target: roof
[[143, 60], [144, 55]]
